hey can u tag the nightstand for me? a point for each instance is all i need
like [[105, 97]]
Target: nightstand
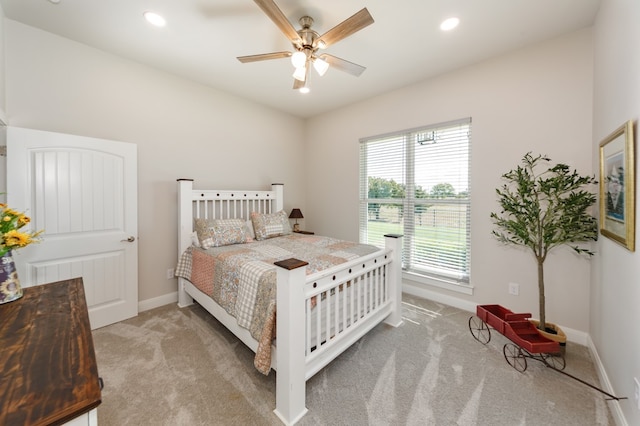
[[304, 232]]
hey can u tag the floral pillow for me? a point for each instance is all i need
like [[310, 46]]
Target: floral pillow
[[221, 232], [270, 225], [204, 231]]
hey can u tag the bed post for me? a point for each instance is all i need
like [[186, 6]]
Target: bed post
[[290, 332], [278, 188], [394, 277], [185, 228]]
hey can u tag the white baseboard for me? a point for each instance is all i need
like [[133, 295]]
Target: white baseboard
[[420, 291], [156, 302], [616, 410]]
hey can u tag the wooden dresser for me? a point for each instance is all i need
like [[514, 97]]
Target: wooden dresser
[[49, 374]]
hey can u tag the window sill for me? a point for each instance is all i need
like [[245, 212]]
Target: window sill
[[439, 283]]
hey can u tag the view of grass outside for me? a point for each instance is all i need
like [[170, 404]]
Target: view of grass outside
[[439, 237]]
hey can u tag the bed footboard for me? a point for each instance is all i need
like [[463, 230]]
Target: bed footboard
[[340, 306]]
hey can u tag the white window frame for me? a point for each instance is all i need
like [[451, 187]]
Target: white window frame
[[457, 274]]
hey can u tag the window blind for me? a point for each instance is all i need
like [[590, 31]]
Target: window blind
[[417, 183]]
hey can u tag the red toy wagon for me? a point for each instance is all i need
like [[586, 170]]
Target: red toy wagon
[[527, 340]]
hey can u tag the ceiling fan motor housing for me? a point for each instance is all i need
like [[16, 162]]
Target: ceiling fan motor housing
[[308, 36]]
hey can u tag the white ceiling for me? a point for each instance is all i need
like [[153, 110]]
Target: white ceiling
[[202, 39]]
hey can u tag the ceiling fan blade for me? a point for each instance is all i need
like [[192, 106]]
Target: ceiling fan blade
[[264, 57], [274, 13], [297, 84], [343, 65], [347, 27]]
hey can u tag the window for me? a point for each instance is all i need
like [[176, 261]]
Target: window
[[416, 183]]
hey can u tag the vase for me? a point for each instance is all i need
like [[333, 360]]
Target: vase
[[10, 289]]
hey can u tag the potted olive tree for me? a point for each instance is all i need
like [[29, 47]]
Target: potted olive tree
[[543, 207]]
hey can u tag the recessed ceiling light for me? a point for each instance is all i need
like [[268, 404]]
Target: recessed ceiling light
[[154, 19], [54, 1], [449, 24]]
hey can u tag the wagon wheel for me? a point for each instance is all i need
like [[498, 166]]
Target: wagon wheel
[[479, 329], [554, 360], [514, 356]]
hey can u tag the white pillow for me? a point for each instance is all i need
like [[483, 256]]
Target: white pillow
[[250, 232]]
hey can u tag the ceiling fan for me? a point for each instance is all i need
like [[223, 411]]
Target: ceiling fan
[[306, 43]]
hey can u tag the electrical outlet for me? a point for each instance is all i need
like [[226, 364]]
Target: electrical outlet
[[514, 289], [636, 392], [170, 273]]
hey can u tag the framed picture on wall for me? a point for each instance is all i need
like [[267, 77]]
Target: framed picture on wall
[[617, 186]]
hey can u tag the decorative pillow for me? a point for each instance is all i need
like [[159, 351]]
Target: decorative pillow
[[229, 231], [221, 232], [270, 225], [204, 231]]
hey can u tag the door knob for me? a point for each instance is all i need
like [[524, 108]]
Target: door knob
[[128, 240]]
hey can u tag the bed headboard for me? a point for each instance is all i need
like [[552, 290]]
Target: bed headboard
[[221, 204]]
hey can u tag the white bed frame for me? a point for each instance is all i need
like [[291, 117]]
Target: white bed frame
[[378, 279]]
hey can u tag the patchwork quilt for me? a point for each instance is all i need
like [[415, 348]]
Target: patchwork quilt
[[241, 278]]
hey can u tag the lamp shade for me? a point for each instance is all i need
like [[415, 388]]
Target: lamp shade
[[300, 73], [296, 214], [298, 59], [321, 66]]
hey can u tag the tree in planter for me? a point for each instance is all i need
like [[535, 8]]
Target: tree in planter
[[545, 209]]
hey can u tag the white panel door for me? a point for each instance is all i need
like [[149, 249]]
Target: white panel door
[[83, 192]]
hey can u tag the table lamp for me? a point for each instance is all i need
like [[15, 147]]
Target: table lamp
[[296, 214]]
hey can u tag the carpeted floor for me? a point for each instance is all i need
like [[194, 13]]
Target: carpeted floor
[[172, 366]]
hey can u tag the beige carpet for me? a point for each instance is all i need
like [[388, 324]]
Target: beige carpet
[[172, 366]]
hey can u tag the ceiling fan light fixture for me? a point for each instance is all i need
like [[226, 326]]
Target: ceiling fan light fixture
[[154, 19], [304, 90], [449, 24], [300, 73], [299, 59], [321, 66]]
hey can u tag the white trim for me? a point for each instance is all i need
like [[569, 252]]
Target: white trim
[[440, 283], [420, 291], [616, 410], [156, 302], [575, 336]]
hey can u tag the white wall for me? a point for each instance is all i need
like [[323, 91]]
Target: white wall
[[182, 129], [615, 293], [537, 99]]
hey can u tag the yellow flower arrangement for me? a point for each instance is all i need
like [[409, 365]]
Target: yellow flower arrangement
[[10, 223]]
